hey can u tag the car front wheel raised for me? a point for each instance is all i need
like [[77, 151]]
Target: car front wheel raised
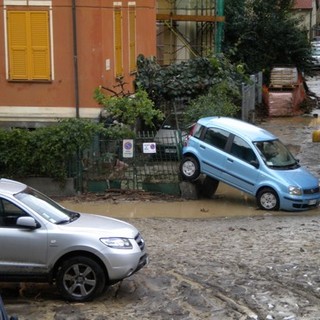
[[268, 199], [189, 169], [80, 279]]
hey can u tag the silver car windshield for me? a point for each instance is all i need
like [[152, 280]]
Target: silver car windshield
[[276, 155], [44, 206]]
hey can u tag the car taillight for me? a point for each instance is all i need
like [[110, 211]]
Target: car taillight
[[192, 128], [191, 132]]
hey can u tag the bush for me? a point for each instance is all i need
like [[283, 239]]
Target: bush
[[222, 100], [45, 151]]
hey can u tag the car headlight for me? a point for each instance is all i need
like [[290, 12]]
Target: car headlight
[[117, 243], [296, 191]]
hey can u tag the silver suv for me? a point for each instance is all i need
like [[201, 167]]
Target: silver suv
[[44, 242]]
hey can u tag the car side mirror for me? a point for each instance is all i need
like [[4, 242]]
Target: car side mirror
[[27, 222]]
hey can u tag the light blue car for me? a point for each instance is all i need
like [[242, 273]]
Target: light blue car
[[250, 159]]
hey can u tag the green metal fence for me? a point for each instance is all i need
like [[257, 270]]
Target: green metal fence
[[144, 163]]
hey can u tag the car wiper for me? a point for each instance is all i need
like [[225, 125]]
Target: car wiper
[[286, 167], [64, 221], [73, 216]]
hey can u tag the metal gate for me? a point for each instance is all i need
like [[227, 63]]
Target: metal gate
[[138, 164]]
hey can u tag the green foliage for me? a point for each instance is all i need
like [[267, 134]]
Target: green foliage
[[128, 110], [45, 151], [185, 79], [261, 34], [188, 79], [118, 131], [222, 100]]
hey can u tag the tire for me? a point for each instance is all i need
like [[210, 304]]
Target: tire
[[189, 169], [80, 279], [268, 199], [209, 187]]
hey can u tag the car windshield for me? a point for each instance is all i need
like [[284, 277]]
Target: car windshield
[[46, 207], [276, 155]]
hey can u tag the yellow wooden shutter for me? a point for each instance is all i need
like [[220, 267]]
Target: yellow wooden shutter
[[39, 45], [132, 38], [17, 36], [118, 42], [28, 38]]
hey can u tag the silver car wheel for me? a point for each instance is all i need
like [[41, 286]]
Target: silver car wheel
[[80, 279], [268, 199], [188, 168]]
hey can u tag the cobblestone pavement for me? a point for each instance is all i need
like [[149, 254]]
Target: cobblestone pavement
[[264, 266]]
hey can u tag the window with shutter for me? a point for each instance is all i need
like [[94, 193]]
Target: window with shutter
[[132, 38], [118, 42], [28, 45]]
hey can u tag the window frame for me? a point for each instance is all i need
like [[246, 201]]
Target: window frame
[[132, 38], [33, 62], [118, 36]]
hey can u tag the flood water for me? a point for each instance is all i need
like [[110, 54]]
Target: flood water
[[227, 202]]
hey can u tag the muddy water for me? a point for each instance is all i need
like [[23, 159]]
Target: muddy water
[[227, 202]]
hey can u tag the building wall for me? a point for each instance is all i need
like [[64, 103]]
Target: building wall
[[35, 103], [307, 11]]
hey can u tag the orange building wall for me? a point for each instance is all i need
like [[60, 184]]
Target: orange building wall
[[95, 47]]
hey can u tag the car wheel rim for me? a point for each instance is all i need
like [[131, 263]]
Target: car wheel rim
[[268, 200], [79, 280], [189, 168]]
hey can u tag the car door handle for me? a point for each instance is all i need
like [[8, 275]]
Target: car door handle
[[202, 146], [229, 159]]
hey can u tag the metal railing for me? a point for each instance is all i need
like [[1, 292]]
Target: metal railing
[[251, 96]]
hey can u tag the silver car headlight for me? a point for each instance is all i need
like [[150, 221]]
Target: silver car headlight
[[117, 243], [296, 191]]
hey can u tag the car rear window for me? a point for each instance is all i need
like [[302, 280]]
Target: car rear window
[[216, 137], [197, 130]]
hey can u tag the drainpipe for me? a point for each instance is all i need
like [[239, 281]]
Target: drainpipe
[[76, 90], [219, 9], [75, 57]]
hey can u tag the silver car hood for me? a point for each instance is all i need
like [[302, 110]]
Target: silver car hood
[[101, 226]]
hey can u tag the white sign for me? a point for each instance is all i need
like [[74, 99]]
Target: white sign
[[149, 147], [127, 148]]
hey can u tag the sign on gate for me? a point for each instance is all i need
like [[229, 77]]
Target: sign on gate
[[127, 148], [149, 147]]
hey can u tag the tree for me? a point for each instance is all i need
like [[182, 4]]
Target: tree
[[126, 111], [261, 34]]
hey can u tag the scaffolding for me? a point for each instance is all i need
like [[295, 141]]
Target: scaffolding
[[188, 29]]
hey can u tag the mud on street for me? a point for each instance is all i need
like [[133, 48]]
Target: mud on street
[[215, 259]]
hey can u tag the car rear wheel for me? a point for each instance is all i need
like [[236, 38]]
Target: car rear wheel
[[80, 279], [189, 169], [209, 186], [268, 199]]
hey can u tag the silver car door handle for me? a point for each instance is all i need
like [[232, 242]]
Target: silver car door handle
[[202, 146], [230, 160]]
